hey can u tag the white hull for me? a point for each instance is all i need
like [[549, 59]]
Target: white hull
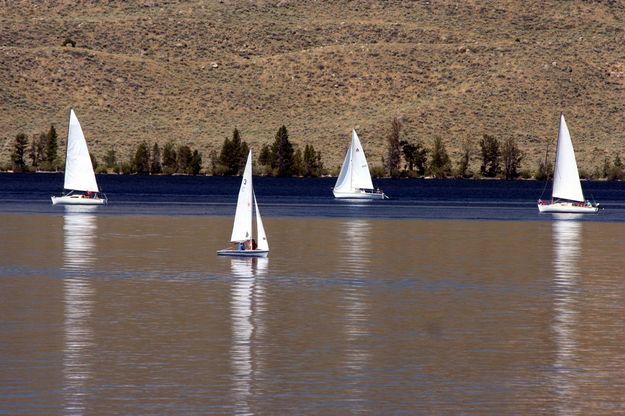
[[77, 200], [359, 194], [570, 207], [243, 253]]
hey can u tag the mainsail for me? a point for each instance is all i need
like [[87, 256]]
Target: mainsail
[[566, 184], [354, 173], [242, 229], [79, 174]]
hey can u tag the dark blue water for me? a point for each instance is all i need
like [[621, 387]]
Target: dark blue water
[[309, 197]]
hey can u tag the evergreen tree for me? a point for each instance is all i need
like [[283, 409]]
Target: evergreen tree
[[298, 163], [169, 159], [440, 164], [52, 146], [511, 156], [184, 159], [196, 163], [282, 153], [265, 156], [394, 150], [415, 155], [233, 154], [313, 166], [227, 158], [141, 161], [19, 150], [37, 150], [155, 160], [491, 155], [110, 160]]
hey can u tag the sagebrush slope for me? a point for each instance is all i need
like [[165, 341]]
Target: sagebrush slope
[[192, 71]]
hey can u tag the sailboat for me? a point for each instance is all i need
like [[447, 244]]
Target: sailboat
[[79, 175], [354, 180], [245, 244], [567, 194]]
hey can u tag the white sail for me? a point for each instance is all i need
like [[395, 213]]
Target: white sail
[[361, 178], [79, 174], [566, 184], [263, 244], [242, 229], [354, 173], [343, 182]]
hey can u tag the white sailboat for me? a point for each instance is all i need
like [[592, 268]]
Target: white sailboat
[[354, 181], [245, 244], [80, 179], [567, 194]]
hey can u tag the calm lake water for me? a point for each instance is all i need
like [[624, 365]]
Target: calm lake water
[[455, 297]]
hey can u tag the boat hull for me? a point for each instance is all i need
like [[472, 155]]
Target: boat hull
[[567, 207], [360, 194], [243, 253], [77, 200]]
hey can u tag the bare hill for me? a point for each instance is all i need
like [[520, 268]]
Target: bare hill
[[191, 71]]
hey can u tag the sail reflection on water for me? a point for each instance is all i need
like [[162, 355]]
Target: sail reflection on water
[[79, 231], [357, 261], [247, 308], [566, 256]]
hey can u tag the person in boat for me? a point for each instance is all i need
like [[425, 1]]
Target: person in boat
[[254, 245], [241, 246]]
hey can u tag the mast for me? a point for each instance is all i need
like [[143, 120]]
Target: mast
[[351, 164]]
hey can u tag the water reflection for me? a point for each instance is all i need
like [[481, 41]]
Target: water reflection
[[357, 257], [566, 255], [247, 307], [79, 230]]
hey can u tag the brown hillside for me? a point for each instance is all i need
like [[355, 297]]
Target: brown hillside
[[191, 71]]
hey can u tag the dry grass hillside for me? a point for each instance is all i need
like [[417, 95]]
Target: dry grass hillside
[[190, 71]]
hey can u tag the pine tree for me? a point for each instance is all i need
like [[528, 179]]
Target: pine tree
[[282, 153], [233, 154], [141, 161], [169, 159], [37, 149], [110, 160], [19, 150], [440, 164], [184, 159], [196, 163], [313, 165], [155, 160], [52, 147], [265, 156], [298, 163]]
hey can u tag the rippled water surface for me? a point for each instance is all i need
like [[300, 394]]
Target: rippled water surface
[[129, 311]]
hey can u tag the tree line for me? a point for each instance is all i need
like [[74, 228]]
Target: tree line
[[498, 159], [404, 157], [278, 159]]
